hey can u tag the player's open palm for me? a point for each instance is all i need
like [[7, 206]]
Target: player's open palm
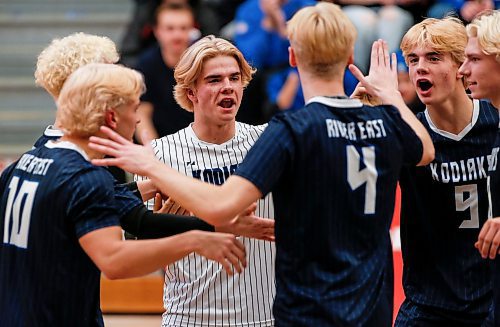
[[489, 238], [131, 157], [248, 225], [223, 248], [382, 80]]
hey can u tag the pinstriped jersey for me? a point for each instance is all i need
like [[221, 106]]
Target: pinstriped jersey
[[332, 167], [49, 199], [444, 205], [197, 291]]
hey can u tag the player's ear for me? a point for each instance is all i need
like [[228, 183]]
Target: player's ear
[[191, 95], [110, 119], [350, 60], [291, 57]]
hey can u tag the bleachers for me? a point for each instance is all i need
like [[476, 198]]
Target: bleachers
[[26, 27]]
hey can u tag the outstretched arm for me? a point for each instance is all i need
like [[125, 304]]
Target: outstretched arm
[[125, 259], [217, 205], [382, 83]]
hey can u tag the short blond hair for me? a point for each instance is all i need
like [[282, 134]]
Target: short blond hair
[[92, 90], [322, 38], [445, 35], [63, 56], [486, 28], [191, 64]]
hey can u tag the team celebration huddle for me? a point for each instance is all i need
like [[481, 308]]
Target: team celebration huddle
[[281, 224]]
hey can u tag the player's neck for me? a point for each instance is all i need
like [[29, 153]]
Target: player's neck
[[495, 101], [313, 86], [452, 115], [82, 143], [213, 133]]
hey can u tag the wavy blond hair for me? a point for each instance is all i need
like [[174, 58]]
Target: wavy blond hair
[[91, 91], [322, 38], [191, 63], [445, 35], [486, 28], [63, 56]]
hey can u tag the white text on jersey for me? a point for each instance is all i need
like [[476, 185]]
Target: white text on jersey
[[369, 129], [34, 165]]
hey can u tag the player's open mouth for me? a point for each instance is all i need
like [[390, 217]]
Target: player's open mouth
[[424, 85], [227, 103]]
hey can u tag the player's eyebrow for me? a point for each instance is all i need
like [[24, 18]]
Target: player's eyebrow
[[220, 75]]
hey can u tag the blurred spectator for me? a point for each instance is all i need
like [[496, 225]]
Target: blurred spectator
[[259, 32], [465, 9], [139, 34], [213, 15], [379, 19], [159, 112]]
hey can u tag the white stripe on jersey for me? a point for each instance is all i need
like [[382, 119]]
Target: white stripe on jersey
[[197, 291]]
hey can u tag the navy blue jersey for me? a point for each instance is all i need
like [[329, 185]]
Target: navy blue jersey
[[50, 134], [49, 199], [125, 200], [444, 205], [333, 168]]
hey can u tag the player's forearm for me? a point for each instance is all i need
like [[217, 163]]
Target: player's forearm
[[217, 205], [138, 258], [419, 129]]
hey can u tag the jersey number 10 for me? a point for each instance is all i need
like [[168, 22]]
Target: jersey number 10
[[20, 209]]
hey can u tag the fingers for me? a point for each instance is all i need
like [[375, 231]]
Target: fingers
[[114, 135], [234, 256], [105, 162], [494, 245], [234, 261], [99, 145], [358, 74], [362, 79], [482, 234], [385, 53], [374, 62], [157, 203], [485, 249]]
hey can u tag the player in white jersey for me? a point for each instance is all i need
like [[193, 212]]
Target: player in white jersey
[[210, 79]]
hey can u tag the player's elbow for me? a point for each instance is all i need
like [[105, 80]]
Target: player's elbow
[[427, 154], [217, 215], [114, 272]]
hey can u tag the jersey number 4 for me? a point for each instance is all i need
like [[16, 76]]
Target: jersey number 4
[[368, 175], [19, 208]]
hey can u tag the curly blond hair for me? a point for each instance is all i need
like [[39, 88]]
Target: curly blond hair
[[63, 56], [191, 63], [91, 91]]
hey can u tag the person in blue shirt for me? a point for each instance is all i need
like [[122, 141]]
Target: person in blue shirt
[[332, 168], [59, 224]]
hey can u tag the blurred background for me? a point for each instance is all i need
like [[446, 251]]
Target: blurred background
[[26, 28]]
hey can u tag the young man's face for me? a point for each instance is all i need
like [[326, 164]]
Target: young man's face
[[482, 72], [434, 75], [127, 118], [218, 91], [173, 29]]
